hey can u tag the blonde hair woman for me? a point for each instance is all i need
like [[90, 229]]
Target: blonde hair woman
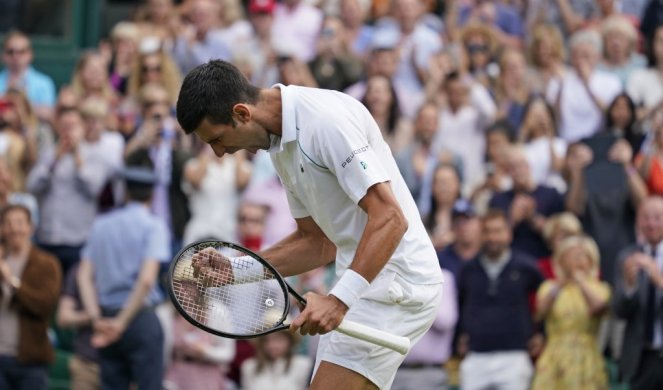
[[91, 78], [155, 68], [546, 55], [620, 41], [572, 306]]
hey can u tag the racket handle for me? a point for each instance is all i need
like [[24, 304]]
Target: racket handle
[[397, 343]]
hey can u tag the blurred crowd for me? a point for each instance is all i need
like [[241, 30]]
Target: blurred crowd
[[530, 134]]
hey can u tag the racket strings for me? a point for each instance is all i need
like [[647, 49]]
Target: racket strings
[[212, 298]]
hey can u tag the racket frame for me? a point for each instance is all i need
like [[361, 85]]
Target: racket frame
[[285, 287]]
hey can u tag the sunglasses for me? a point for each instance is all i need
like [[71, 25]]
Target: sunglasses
[[11, 52], [149, 69]]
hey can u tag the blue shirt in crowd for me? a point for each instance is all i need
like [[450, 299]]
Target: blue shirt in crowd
[[495, 314], [38, 86], [119, 243]]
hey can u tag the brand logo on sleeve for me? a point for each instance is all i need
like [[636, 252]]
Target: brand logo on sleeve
[[349, 159]]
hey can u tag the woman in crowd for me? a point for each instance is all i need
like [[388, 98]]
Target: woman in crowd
[[125, 39], [546, 54], [155, 67], [498, 142], [621, 121], [512, 89], [480, 48], [446, 189], [555, 230], [650, 161], [91, 78], [382, 102], [572, 306], [620, 44], [545, 151], [276, 366], [645, 86]]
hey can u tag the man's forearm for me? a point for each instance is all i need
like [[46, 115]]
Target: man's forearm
[[87, 290], [299, 253], [146, 280]]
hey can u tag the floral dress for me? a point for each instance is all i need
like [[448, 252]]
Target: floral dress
[[571, 359]]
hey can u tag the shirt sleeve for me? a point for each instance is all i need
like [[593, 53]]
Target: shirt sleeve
[[158, 245], [347, 151]]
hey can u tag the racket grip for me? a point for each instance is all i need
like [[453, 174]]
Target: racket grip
[[378, 337]]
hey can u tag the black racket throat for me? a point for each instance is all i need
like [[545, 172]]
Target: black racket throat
[[225, 297]]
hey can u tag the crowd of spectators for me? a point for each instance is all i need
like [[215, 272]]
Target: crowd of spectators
[[530, 134]]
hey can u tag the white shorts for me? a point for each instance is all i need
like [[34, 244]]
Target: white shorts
[[393, 305]]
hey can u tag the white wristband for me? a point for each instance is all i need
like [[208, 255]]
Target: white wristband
[[246, 269], [349, 287]]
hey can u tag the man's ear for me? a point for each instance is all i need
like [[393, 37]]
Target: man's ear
[[242, 113]]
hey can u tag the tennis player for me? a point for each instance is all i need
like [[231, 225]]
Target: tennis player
[[351, 206]]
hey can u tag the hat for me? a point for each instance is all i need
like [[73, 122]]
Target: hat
[[261, 6], [139, 175], [463, 208]]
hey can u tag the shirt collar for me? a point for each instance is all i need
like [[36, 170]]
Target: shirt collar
[[500, 263], [288, 122]]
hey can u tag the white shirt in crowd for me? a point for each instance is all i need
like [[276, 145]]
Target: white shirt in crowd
[[296, 30], [645, 87], [580, 117]]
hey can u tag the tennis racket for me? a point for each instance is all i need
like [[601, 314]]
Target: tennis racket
[[230, 291]]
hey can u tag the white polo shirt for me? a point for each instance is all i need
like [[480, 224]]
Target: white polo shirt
[[330, 153]]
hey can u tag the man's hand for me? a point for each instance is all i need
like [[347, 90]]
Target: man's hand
[[322, 314], [631, 266], [649, 265], [211, 268], [106, 332], [621, 152]]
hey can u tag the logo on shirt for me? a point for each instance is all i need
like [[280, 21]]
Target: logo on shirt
[[363, 164], [349, 159]]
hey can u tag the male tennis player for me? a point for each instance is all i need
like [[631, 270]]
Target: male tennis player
[[350, 203]]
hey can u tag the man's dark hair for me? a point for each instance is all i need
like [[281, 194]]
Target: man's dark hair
[[210, 91], [139, 192], [15, 207]]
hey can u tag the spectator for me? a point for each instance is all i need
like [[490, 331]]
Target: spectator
[[567, 15], [423, 367], [293, 71], [527, 205], [276, 366], [545, 151], [546, 54], [358, 33], [296, 24], [558, 227], [466, 244], [382, 102], [84, 365], [604, 192], [621, 121], [260, 50], [13, 147], [496, 322], [199, 359], [155, 67], [251, 220], [417, 43], [125, 38], [90, 78], [480, 47], [637, 297], [209, 180], [650, 161], [334, 67], [645, 86], [9, 197], [571, 307], [417, 161], [67, 181], [158, 18], [445, 190], [581, 95], [512, 87], [469, 108], [503, 18], [496, 165], [203, 39], [620, 56], [117, 280], [19, 74], [29, 288]]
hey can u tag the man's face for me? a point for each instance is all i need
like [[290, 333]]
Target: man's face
[[467, 228], [229, 139], [584, 55], [650, 220], [17, 54], [426, 124], [496, 236], [520, 172], [16, 228]]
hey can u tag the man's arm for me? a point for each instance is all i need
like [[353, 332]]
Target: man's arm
[[383, 232], [87, 290], [108, 330], [305, 249]]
